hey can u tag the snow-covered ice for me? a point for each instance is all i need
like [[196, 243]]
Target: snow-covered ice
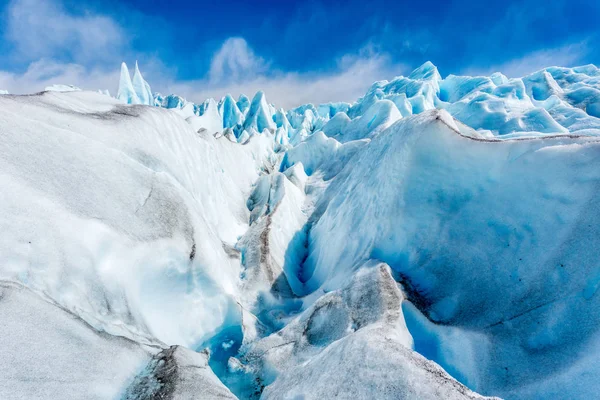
[[434, 239], [48, 352], [115, 217], [61, 88]]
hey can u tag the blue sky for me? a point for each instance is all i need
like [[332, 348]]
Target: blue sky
[[296, 51]]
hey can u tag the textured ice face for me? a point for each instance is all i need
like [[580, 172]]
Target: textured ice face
[[232, 116], [494, 241]]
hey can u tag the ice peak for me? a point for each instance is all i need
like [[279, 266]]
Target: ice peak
[[126, 93], [259, 96], [499, 78], [134, 92], [229, 101], [232, 116], [259, 116], [141, 87], [427, 71]]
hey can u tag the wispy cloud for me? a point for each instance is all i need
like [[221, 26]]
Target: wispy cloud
[[565, 56], [348, 81], [46, 72], [60, 47], [235, 61], [43, 28]]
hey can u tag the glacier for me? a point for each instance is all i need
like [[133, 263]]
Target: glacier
[[437, 238], [136, 91]]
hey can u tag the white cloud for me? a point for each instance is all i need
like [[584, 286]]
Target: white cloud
[[566, 56], [46, 72], [42, 28], [352, 77], [235, 60]]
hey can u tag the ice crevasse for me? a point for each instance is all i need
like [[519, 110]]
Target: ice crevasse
[[434, 239]]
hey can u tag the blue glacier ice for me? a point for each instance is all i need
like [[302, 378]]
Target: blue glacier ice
[[259, 116], [436, 238], [232, 116], [134, 92], [551, 101], [141, 87], [243, 104], [126, 93]]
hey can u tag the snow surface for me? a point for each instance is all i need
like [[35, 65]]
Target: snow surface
[[52, 353], [434, 239], [48, 352], [61, 88], [122, 213]]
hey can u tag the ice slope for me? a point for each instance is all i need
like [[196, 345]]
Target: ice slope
[[48, 352], [376, 118], [494, 242], [122, 215], [356, 334], [270, 247], [210, 121], [321, 153], [51, 353]]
